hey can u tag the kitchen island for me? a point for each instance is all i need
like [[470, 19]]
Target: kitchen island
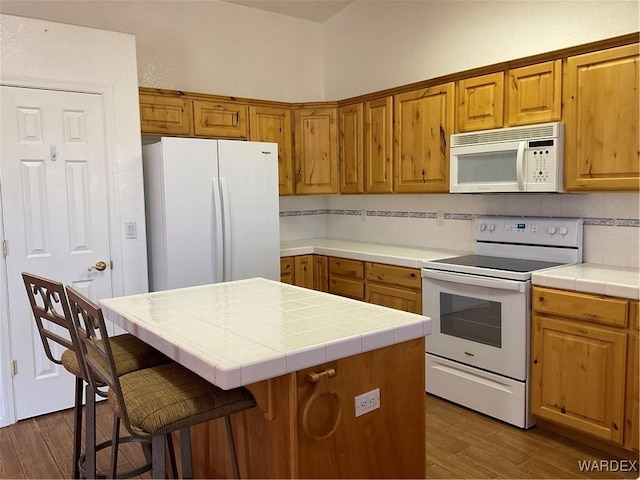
[[305, 355]]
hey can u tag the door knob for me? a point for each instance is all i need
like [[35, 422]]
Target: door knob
[[100, 266]]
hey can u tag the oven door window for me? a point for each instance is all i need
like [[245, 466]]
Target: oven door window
[[474, 319]]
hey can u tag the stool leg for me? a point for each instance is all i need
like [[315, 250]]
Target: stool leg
[[90, 432], [185, 452], [77, 428], [172, 456], [115, 443], [232, 447], [157, 461]]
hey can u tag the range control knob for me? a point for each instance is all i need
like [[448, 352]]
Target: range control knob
[[552, 230], [482, 227], [564, 230], [492, 227]]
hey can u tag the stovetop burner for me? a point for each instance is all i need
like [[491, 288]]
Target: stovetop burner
[[513, 248], [498, 263]]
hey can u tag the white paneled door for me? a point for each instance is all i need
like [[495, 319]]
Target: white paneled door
[[53, 181]]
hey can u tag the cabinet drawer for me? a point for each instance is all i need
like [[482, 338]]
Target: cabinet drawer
[[346, 268], [346, 287], [392, 275], [220, 119], [165, 115], [394, 297], [593, 308]]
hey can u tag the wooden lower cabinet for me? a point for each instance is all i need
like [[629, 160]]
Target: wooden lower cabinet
[[395, 287], [302, 429], [309, 271], [346, 277], [378, 283], [579, 361], [303, 271], [321, 273], [631, 428], [286, 270]]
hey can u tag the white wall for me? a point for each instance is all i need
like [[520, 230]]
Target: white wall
[[70, 57], [204, 46], [374, 45]]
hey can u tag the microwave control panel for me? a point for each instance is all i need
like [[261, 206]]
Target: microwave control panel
[[540, 161]]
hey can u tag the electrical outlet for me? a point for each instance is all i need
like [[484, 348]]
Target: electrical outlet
[[367, 402], [363, 215], [440, 218]]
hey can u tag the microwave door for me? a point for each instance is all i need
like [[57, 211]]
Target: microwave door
[[497, 167]]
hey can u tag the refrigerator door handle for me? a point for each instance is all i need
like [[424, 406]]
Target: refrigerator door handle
[[218, 241], [227, 230]]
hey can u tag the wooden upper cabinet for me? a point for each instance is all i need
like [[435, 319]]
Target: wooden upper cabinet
[[350, 144], [601, 120], [423, 123], [220, 119], [165, 115], [481, 102], [273, 124], [534, 94], [378, 145], [316, 150]]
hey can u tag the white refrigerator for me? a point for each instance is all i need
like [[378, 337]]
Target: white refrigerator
[[212, 211]]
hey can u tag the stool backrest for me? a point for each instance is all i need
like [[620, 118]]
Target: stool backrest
[[95, 349], [49, 302]]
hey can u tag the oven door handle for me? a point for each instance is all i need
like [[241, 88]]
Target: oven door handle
[[475, 280]]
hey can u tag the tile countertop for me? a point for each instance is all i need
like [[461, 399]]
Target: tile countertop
[[591, 278], [368, 252], [241, 332]]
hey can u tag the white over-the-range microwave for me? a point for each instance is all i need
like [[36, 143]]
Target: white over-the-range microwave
[[516, 159]]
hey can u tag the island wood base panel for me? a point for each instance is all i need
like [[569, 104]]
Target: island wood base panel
[[277, 439]]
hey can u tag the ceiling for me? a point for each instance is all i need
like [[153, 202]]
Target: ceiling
[[315, 10]]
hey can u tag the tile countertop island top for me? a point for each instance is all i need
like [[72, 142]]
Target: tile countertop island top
[[241, 332], [369, 252], [592, 278]]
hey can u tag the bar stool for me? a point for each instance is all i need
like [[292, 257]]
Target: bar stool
[[156, 401], [49, 302]]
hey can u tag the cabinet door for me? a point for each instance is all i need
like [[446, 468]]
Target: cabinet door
[[632, 411], [316, 151], [220, 119], [350, 154], [601, 120], [320, 273], [423, 125], [578, 376], [378, 145], [480, 102], [303, 271], [534, 94], [165, 115], [273, 124], [286, 270], [394, 297]]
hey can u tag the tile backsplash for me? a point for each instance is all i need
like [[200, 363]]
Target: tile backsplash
[[611, 220]]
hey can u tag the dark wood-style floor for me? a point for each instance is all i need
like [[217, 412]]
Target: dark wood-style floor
[[460, 444]]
